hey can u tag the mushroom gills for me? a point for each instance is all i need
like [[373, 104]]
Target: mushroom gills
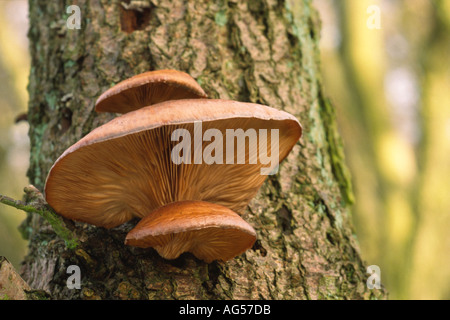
[[131, 165], [208, 231]]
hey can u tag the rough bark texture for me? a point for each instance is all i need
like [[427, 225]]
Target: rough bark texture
[[263, 51]]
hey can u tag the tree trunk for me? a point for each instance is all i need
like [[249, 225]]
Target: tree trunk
[[262, 51]]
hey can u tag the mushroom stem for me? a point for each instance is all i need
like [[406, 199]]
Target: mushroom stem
[[176, 246]]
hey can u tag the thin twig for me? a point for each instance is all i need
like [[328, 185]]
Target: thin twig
[[36, 204]]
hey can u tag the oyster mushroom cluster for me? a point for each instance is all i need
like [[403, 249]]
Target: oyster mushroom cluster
[[189, 199]]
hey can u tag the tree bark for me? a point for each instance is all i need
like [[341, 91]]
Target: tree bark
[[262, 51]]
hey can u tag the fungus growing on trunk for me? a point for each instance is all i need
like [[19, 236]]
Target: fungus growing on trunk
[[125, 168], [209, 231], [187, 166], [149, 88]]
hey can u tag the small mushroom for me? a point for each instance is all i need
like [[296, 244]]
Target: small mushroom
[[125, 169], [209, 231], [147, 89]]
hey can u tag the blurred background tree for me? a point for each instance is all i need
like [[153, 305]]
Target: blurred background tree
[[14, 144], [390, 87]]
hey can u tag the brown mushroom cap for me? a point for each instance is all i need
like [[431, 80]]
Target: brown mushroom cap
[[209, 231], [124, 169], [148, 88]]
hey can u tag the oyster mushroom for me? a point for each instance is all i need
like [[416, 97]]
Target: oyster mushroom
[[125, 168], [147, 89], [209, 231]]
